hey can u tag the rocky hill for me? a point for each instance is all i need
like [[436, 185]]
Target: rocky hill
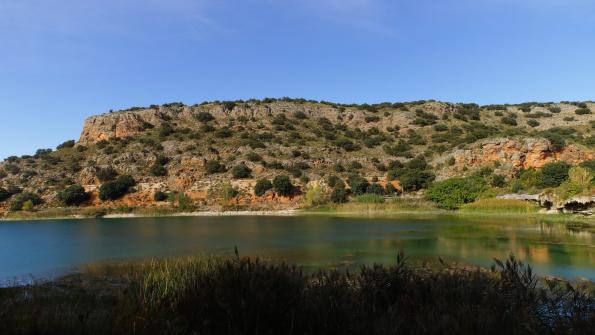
[[212, 154]]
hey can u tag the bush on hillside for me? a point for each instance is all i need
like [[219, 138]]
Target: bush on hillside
[[557, 141], [65, 145], [4, 194], [74, 195], [160, 196], [582, 111], [241, 171], [376, 189], [316, 196], [454, 192], [204, 117], [414, 180], [116, 189], [262, 186], [106, 174], [498, 180], [25, 201], [339, 195], [283, 186], [214, 166], [158, 170], [553, 174], [357, 184], [253, 157]]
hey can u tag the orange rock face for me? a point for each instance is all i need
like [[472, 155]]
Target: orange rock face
[[528, 153]]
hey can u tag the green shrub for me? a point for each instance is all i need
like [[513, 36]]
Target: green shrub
[[3, 174], [554, 109], [498, 180], [160, 196], [165, 130], [339, 195], [283, 186], [316, 196], [253, 157], [4, 194], [376, 189], [357, 184], [533, 123], [223, 133], [214, 166], [106, 174], [454, 192], [414, 180], [582, 111], [334, 181], [65, 145], [589, 165], [12, 169], [241, 171], [204, 117], [74, 195], [553, 174], [557, 141], [300, 115], [26, 198], [116, 189], [509, 120], [158, 170], [262, 186]]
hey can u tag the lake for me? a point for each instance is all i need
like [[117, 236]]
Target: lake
[[43, 249]]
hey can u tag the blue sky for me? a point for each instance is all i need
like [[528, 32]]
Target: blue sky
[[64, 60]]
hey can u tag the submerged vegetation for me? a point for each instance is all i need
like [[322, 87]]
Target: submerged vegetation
[[249, 296]]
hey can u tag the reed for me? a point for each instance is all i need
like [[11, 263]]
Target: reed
[[500, 206]]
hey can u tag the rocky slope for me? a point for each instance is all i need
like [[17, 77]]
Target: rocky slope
[[166, 148]]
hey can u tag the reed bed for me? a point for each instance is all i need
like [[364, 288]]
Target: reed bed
[[240, 295], [505, 206]]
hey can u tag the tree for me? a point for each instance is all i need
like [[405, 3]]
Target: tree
[[67, 144], [19, 201], [339, 195], [214, 166], [106, 174], [413, 180], [204, 117], [262, 186], [160, 196], [113, 190], [4, 194], [498, 180], [452, 193], [241, 171], [553, 174], [556, 140], [376, 189], [74, 195], [316, 196], [357, 184], [158, 170], [282, 185]]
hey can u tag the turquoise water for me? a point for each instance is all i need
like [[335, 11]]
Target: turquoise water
[[42, 249]]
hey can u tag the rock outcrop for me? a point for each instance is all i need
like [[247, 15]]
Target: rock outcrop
[[516, 154]]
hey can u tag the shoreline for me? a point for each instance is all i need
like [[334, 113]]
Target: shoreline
[[554, 217]]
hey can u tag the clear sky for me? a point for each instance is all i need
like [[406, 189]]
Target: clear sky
[[64, 60]]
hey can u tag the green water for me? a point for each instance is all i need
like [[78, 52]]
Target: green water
[[48, 248]]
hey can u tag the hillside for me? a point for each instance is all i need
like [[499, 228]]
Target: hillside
[[211, 155]]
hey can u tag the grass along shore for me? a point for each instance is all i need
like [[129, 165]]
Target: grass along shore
[[239, 295], [366, 206]]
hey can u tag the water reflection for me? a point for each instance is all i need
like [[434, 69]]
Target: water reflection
[[49, 247]]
